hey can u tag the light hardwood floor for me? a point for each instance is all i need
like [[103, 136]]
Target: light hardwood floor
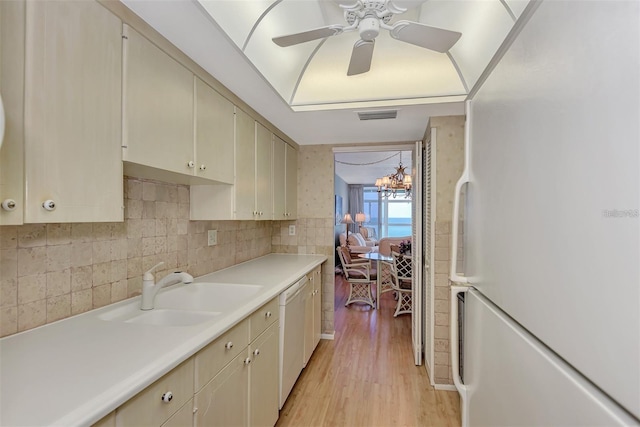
[[366, 376]]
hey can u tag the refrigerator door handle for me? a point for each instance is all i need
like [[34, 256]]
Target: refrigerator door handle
[[455, 351], [453, 274]]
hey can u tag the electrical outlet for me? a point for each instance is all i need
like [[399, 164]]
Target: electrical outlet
[[292, 230], [212, 237]]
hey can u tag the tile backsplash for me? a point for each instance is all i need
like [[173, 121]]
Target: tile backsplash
[[52, 271]]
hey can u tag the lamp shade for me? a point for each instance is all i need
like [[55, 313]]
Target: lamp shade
[[360, 218], [347, 219]]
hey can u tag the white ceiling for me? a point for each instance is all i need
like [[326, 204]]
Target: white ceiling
[[275, 81]]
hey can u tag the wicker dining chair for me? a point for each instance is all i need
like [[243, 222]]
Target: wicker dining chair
[[402, 282], [360, 276]]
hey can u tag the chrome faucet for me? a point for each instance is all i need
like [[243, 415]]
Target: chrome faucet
[[150, 288]]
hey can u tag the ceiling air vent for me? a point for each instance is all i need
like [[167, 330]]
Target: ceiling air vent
[[377, 115]]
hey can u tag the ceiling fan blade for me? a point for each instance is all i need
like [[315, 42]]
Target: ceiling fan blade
[[307, 36], [361, 57], [425, 36]]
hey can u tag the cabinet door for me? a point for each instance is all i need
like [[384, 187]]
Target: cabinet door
[[263, 379], [264, 202], [12, 41], [291, 188], [158, 107], [317, 306], [224, 400], [73, 83], [279, 177], [182, 418], [245, 180], [214, 134], [308, 321]]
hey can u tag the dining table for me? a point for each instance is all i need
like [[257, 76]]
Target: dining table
[[377, 257]]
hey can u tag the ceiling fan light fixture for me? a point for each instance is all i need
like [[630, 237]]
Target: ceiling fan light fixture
[[369, 28]]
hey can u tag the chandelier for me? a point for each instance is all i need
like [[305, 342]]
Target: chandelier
[[390, 185]]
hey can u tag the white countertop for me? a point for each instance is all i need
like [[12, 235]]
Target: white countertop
[[77, 370]]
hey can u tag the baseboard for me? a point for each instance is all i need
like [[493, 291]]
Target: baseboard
[[330, 336], [447, 387]]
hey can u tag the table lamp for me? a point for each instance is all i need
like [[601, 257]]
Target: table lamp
[[347, 220]]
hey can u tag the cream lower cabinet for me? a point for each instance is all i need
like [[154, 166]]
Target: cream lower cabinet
[[61, 82], [263, 379], [317, 305], [312, 313], [233, 381], [243, 392], [224, 400]]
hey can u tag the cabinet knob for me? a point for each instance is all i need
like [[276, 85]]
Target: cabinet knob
[[229, 345], [203, 167], [247, 361], [191, 164], [256, 352], [49, 205], [267, 314], [260, 213], [166, 397], [9, 204]]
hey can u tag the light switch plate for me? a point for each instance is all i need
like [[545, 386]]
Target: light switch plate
[[292, 230], [212, 237]]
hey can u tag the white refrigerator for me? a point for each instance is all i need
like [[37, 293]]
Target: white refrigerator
[[548, 228]]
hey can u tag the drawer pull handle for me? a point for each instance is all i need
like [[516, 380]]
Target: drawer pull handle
[[247, 361], [267, 314], [229, 345], [166, 398], [191, 164], [256, 352]]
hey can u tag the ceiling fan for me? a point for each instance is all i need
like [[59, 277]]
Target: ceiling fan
[[368, 16]]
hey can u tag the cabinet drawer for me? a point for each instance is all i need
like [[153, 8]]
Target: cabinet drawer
[[260, 320], [148, 409], [211, 359]]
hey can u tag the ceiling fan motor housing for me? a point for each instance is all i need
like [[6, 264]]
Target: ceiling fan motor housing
[[369, 28]]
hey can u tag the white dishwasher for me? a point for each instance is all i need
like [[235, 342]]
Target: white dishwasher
[[291, 337]]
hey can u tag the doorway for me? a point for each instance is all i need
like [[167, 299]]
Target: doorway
[[389, 215]]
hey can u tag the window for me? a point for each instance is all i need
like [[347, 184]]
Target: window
[[390, 217]]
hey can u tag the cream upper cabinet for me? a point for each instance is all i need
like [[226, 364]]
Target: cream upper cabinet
[[250, 197], [285, 180], [264, 202], [214, 127], [158, 119], [11, 86], [245, 182], [291, 185], [279, 179], [72, 113]]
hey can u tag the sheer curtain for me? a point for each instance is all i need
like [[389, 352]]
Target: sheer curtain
[[356, 204]]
